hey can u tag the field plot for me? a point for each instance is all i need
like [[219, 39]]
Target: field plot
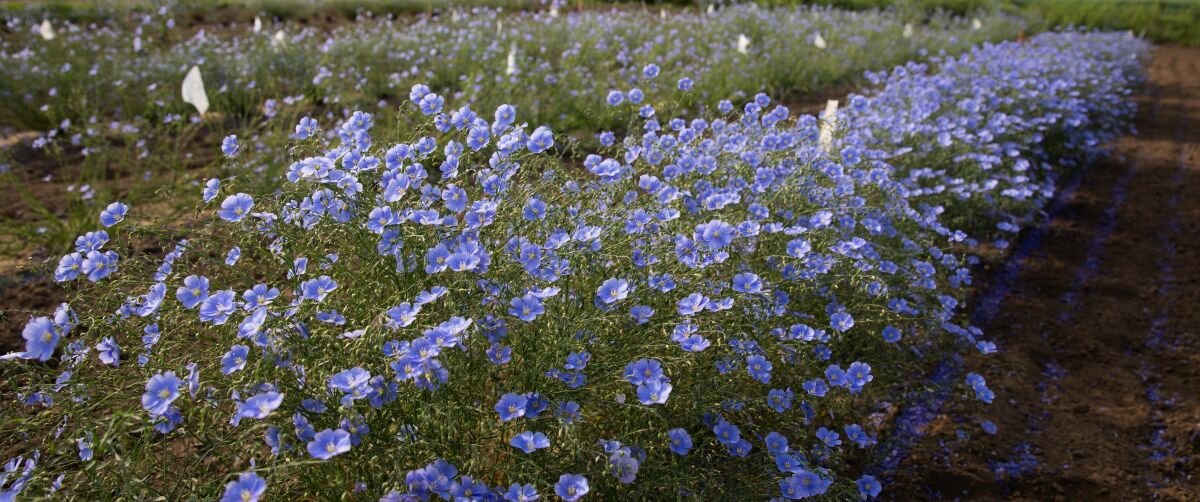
[[601, 253]]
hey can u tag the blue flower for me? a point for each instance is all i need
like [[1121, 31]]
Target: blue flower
[[680, 440], [759, 368], [776, 443], [643, 370], [218, 306], [431, 103], [571, 487], [891, 334], [193, 292], [802, 485], [979, 385], [161, 390], [248, 487], [99, 265], [716, 234], [236, 207], [511, 406], [855, 432], [316, 289], [830, 438], [747, 282], [352, 383], [859, 374], [526, 308], [727, 433], [85, 448], [816, 387], [113, 214], [614, 98], [521, 493], [109, 352], [455, 198], [868, 487], [612, 291], [41, 338], [641, 314], [235, 359], [692, 304], [694, 343], [231, 258], [836, 376], [635, 95], [306, 127], [740, 449], [261, 405], [329, 443], [68, 267], [685, 84], [799, 247], [535, 210], [529, 442], [212, 188], [505, 115], [650, 71], [229, 145], [780, 400], [541, 140], [841, 321], [654, 392]]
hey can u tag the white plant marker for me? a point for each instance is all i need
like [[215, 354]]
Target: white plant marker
[[976, 24], [193, 90], [908, 30], [46, 30], [510, 67], [711, 8], [819, 41], [662, 14], [499, 26], [828, 125], [257, 24], [455, 16], [743, 44], [553, 10], [279, 40]]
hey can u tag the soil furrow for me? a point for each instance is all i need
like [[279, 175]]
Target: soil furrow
[[1098, 375]]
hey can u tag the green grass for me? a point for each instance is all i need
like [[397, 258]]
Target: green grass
[[1169, 21]]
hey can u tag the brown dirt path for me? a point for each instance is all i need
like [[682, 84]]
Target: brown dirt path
[[1098, 382]]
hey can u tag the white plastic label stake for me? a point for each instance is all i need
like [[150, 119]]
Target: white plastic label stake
[[743, 44], [711, 8], [46, 30], [257, 24], [511, 64], [828, 125], [976, 24], [819, 41], [193, 90], [553, 10], [279, 40], [908, 30]]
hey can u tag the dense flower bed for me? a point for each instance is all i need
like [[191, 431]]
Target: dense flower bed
[[551, 67], [712, 307]]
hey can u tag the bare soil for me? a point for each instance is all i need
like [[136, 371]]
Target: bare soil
[[1097, 380]]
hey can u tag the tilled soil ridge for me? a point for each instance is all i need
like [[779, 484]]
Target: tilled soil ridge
[[1098, 379]]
